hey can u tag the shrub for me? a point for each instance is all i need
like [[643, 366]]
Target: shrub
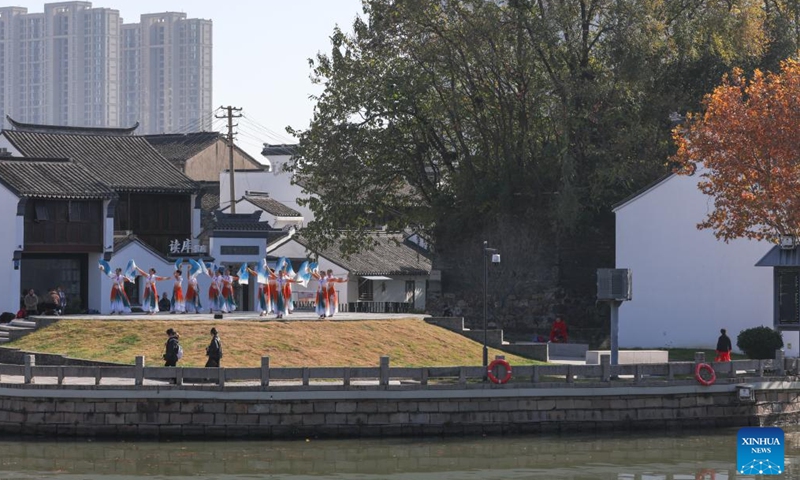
[[759, 342]]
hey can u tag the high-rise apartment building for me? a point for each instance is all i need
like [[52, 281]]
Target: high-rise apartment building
[[81, 66]]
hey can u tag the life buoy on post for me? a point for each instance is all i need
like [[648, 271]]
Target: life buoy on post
[[496, 363], [699, 369]]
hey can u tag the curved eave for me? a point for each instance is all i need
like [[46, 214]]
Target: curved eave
[[179, 190], [57, 128], [410, 273], [76, 196]]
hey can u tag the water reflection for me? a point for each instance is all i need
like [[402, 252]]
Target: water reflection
[[677, 456]]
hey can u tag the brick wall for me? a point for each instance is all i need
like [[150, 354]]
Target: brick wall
[[165, 413]]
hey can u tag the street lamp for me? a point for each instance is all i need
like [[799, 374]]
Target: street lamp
[[495, 259]]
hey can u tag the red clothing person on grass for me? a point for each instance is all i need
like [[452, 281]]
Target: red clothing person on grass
[[558, 334]]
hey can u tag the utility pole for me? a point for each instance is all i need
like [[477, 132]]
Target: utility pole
[[231, 113]]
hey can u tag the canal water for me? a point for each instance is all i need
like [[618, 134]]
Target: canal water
[[621, 456]]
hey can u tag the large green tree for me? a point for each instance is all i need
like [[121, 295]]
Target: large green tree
[[438, 115]]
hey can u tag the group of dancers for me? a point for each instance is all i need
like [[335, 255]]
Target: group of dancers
[[274, 291]]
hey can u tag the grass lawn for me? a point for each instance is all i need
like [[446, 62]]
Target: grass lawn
[[409, 343]]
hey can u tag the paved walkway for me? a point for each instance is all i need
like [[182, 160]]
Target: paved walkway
[[303, 316]]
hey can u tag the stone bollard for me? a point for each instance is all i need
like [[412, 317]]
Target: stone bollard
[[139, 372], [605, 364], [780, 367], [264, 371], [384, 380], [30, 361]]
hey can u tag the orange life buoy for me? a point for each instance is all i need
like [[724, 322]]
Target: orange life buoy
[[494, 364], [704, 366]]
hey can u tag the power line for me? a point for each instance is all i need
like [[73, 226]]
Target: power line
[[272, 133]]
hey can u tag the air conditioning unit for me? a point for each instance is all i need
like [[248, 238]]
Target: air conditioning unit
[[614, 284]]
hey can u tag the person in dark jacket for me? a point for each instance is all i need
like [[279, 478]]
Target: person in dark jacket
[[173, 346], [214, 350], [724, 347]]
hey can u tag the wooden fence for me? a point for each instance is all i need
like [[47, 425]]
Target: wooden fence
[[401, 377]]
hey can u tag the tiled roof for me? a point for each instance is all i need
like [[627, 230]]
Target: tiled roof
[[209, 203], [179, 147], [124, 163], [51, 178], [391, 255], [240, 222], [283, 149], [272, 206], [34, 127]]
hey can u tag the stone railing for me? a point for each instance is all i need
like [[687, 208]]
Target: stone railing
[[399, 377]]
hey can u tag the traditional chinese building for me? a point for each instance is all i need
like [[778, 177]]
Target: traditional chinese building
[[78, 192]]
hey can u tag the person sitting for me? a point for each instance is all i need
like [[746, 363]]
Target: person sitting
[[31, 303], [51, 304], [164, 304], [558, 334]]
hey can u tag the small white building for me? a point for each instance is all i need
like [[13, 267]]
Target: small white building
[[394, 272], [278, 215], [686, 283]]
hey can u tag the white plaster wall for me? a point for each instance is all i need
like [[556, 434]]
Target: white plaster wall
[[277, 184], [99, 285], [686, 283], [216, 242], [10, 278]]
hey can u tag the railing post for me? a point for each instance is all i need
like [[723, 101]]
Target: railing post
[[61, 375], [384, 380], [264, 371], [139, 373], [221, 377], [780, 367], [535, 374], [670, 371], [605, 365], [462, 376], [179, 376], [637, 376], [699, 357], [98, 374], [30, 361], [305, 376], [346, 377], [423, 380], [570, 374]]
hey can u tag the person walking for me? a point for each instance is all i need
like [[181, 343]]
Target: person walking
[[31, 303], [172, 352], [214, 350], [724, 347]]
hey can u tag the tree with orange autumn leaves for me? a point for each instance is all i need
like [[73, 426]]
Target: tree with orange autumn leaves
[[746, 148]]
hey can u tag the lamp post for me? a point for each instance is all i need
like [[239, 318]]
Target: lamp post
[[495, 259]]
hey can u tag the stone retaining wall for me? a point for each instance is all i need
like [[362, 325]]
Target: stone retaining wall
[[175, 412]]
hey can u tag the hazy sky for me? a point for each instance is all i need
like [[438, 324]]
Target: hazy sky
[[261, 52]]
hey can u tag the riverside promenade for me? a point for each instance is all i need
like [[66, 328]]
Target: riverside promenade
[[383, 400]]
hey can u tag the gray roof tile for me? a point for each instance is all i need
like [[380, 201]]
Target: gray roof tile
[[391, 255], [124, 163], [272, 206], [51, 178]]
